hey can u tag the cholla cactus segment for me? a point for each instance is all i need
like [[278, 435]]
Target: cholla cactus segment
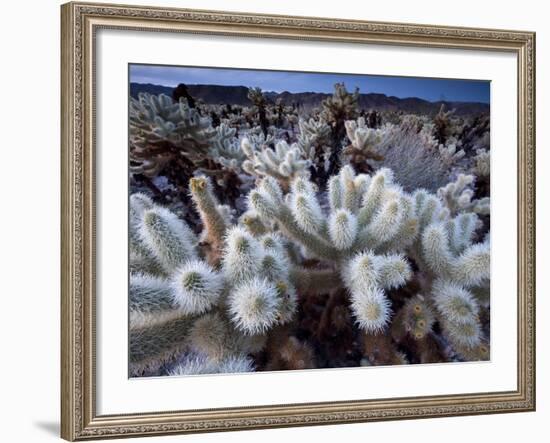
[[253, 223], [436, 251], [169, 238], [307, 212], [345, 190], [254, 305], [288, 302], [458, 196], [210, 336], [270, 187], [275, 265], [371, 198], [214, 220], [361, 274], [142, 258], [149, 294], [482, 163], [459, 311], [455, 303], [386, 222], [461, 231], [139, 202], [157, 343], [463, 335], [343, 229], [242, 255], [236, 364], [367, 270], [393, 271], [371, 309], [196, 287], [441, 249], [335, 193], [199, 365], [472, 267]]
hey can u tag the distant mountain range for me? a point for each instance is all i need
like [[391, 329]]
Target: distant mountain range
[[237, 95]]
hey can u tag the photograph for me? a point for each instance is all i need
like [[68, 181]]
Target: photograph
[[283, 220]]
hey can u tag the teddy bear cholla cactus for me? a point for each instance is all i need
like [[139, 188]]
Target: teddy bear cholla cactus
[[163, 131], [212, 299], [171, 139], [369, 228], [360, 236], [284, 163], [177, 298]]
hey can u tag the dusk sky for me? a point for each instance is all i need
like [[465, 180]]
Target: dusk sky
[[431, 89]]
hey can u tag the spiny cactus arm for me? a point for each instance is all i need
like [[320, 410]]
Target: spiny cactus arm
[[386, 223], [371, 198], [196, 287], [372, 309], [211, 335], [458, 311], [393, 270], [342, 229], [429, 209], [138, 204], [149, 294], [335, 193], [361, 272], [275, 265], [473, 266], [313, 280], [408, 230], [253, 223], [436, 251], [143, 262], [454, 302], [461, 231], [153, 345], [254, 305], [307, 212], [169, 239], [207, 205], [366, 270], [242, 255], [197, 364]]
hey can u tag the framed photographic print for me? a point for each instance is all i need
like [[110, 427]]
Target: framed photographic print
[[281, 221]]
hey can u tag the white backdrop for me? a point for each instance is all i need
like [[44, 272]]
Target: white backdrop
[[29, 234]]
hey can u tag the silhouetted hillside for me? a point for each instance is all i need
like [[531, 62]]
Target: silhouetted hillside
[[237, 95]]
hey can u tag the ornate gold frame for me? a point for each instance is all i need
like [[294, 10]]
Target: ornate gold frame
[[80, 21]]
